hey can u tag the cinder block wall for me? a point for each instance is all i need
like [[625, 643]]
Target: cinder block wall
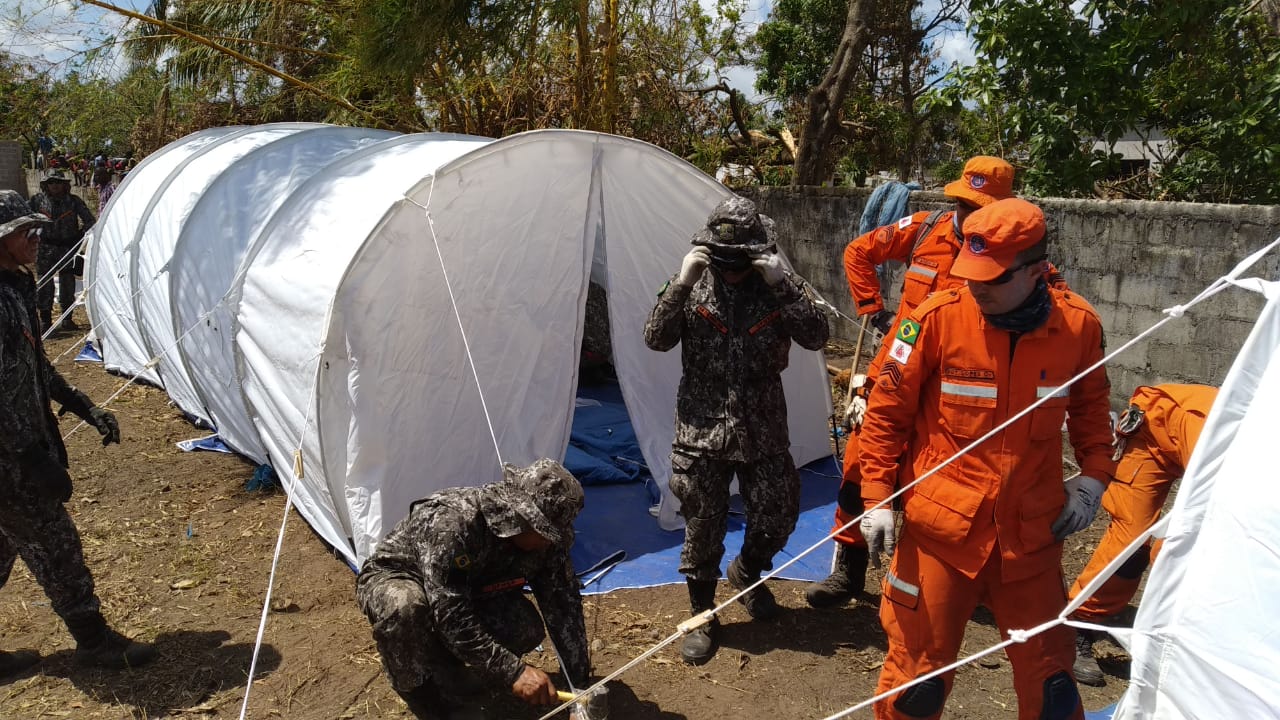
[[1131, 259], [12, 176]]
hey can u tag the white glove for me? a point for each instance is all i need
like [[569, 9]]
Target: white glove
[[770, 266], [857, 408], [1084, 494], [878, 530], [693, 265]]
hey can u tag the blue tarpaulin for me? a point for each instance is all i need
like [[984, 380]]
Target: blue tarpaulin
[[1103, 714], [212, 443], [89, 354], [604, 455]]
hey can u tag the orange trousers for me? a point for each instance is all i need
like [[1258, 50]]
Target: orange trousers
[[1134, 500], [924, 607], [849, 498]]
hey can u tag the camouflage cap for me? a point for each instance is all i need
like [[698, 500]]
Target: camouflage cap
[[735, 224], [55, 176], [546, 496], [16, 213]]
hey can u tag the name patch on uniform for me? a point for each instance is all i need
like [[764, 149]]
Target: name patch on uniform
[[900, 351], [908, 332], [904, 223], [969, 373], [503, 586]]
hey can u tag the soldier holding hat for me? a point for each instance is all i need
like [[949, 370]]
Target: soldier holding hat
[[70, 219], [734, 310], [443, 590]]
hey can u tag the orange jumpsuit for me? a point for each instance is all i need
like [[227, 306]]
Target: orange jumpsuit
[[1155, 456], [928, 270], [978, 531]]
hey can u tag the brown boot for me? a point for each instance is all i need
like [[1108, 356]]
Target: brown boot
[[1086, 668], [759, 602], [846, 579]]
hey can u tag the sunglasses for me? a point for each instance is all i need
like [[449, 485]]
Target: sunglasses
[[1007, 275]]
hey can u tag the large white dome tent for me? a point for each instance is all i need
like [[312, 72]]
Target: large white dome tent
[[107, 279], [345, 337], [215, 241]]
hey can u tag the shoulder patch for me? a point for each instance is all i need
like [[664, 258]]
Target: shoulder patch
[[900, 351], [908, 332], [905, 222], [662, 290], [462, 562]]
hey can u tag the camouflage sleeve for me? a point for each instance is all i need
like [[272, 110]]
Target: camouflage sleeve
[[445, 559], [560, 599], [14, 434], [86, 215], [64, 393], [666, 322], [805, 323]]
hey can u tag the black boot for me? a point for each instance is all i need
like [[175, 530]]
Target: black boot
[[426, 702], [99, 646], [846, 579], [1086, 668], [700, 645], [12, 663], [759, 602]]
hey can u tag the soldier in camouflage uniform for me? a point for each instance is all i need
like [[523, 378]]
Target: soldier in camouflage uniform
[[735, 325], [443, 589], [70, 219], [33, 461], [595, 364]]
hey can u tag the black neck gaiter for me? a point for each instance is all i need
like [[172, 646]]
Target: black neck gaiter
[[1031, 314]]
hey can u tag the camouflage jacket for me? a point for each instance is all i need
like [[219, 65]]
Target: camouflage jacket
[[67, 213], [446, 544], [27, 379], [735, 342]]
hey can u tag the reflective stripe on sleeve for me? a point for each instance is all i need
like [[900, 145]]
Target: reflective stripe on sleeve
[[977, 391], [902, 585], [1049, 392]]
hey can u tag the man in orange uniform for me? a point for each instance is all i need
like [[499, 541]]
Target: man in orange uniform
[[1154, 440], [927, 242], [988, 527]]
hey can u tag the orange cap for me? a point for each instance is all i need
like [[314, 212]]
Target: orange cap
[[993, 237], [985, 180]]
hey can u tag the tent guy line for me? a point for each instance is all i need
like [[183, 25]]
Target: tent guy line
[[1175, 312]]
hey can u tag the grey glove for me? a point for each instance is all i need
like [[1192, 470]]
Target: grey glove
[[882, 321], [1084, 495], [880, 532]]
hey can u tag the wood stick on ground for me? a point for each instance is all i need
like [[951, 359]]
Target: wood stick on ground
[[857, 360]]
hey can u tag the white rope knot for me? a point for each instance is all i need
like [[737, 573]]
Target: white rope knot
[[1020, 636], [1176, 311]]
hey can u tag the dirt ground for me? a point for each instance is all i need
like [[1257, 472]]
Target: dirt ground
[[181, 553]]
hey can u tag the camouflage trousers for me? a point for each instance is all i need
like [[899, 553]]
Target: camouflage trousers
[[47, 259], [39, 530], [411, 649], [770, 490]]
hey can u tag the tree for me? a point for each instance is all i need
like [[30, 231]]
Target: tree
[[1206, 73]]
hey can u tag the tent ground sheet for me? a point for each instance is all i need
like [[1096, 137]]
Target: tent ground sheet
[[617, 517]]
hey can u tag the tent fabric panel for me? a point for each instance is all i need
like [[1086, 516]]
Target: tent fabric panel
[[1210, 596], [108, 280], [158, 240], [226, 220], [283, 299], [403, 414]]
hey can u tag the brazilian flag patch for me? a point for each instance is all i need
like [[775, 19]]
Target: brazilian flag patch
[[908, 331], [662, 290]]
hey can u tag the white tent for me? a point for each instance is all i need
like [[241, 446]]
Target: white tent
[[1206, 640], [396, 320]]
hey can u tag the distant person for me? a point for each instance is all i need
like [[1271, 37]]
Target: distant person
[[988, 527], [104, 185], [443, 590], [734, 309], [71, 218], [1154, 440], [34, 482]]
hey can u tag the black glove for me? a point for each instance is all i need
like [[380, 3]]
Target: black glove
[[46, 473], [105, 422], [882, 321]]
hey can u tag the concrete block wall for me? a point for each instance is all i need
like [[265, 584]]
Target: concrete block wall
[[12, 176], [1131, 259]]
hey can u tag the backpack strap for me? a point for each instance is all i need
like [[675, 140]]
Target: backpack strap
[[926, 227]]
